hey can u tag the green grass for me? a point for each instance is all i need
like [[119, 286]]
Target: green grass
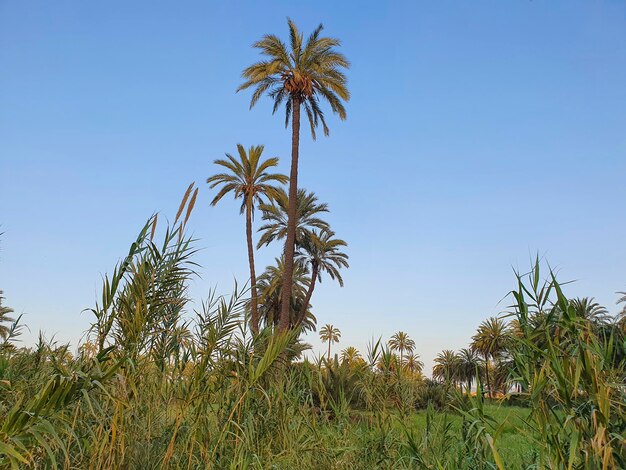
[[514, 443]]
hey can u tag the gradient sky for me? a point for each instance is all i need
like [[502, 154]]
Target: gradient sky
[[478, 134]]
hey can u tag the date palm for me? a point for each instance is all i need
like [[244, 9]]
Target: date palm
[[298, 75], [323, 253], [248, 178], [351, 355], [270, 285], [413, 364], [590, 310], [446, 366], [401, 342], [491, 340], [4, 318], [275, 217], [469, 363], [329, 334]]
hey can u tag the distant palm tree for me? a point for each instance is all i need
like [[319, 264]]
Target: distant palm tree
[[413, 364], [329, 334], [351, 355], [323, 253], [491, 340], [401, 342], [4, 318], [308, 211], [590, 310], [247, 178], [446, 366], [468, 365], [298, 76]]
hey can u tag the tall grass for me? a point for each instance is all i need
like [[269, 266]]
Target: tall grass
[[573, 376]]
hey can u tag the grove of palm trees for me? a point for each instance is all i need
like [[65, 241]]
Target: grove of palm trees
[[159, 382]]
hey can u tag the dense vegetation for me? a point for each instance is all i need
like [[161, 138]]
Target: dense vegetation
[[156, 384]]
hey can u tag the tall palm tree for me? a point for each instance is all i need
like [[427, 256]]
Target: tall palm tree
[[329, 334], [446, 366], [491, 340], [248, 179], [401, 342], [468, 364], [4, 318], [275, 216], [322, 252], [298, 75]]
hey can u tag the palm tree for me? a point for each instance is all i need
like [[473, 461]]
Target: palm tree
[[322, 252], [351, 355], [401, 342], [590, 310], [413, 364], [248, 179], [275, 216], [468, 365], [446, 366], [270, 285], [491, 339], [4, 318], [299, 76], [329, 334]]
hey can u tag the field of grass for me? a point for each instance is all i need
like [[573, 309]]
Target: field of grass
[[514, 444]]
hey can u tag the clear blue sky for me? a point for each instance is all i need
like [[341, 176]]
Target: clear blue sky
[[479, 133]]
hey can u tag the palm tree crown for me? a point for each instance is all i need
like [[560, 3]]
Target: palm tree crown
[[304, 72], [492, 337], [413, 364], [308, 211], [588, 309], [351, 355], [247, 177], [321, 251], [446, 366]]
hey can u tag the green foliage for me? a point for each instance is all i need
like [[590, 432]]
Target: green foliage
[[153, 388], [302, 71], [574, 386]]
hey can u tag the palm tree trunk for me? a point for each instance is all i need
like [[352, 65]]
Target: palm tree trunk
[[328, 351], [254, 308], [487, 374], [291, 218], [309, 292]]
